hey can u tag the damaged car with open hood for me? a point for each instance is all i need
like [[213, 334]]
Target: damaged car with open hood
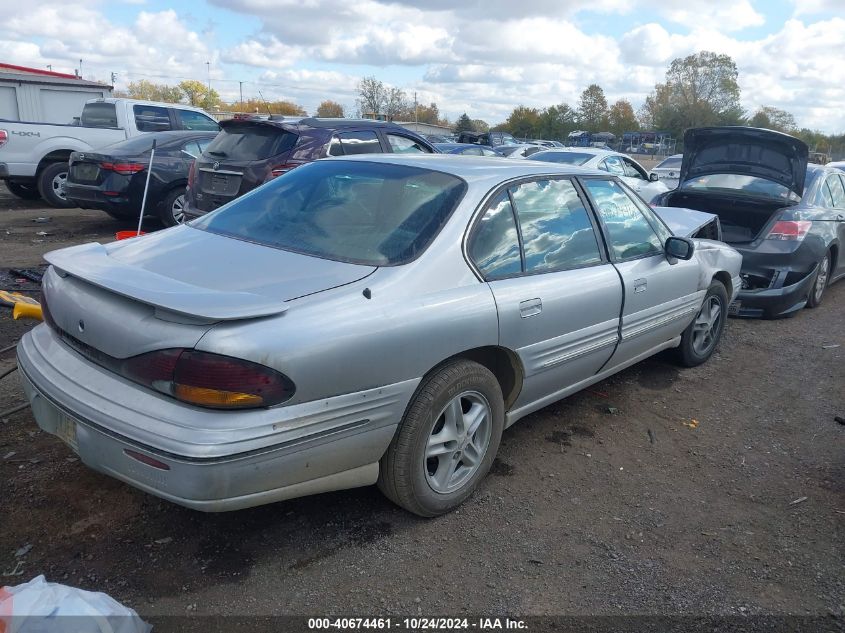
[[363, 319], [786, 217]]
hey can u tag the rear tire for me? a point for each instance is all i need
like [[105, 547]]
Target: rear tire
[[447, 440], [25, 192], [699, 340], [51, 185], [171, 209], [819, 285]]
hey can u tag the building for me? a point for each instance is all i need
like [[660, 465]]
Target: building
[[425, 128], [32, 94]]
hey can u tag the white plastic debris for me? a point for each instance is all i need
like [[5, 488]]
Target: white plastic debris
[[39, 606]]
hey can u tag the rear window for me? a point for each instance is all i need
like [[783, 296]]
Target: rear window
[[377, 214], [566, 158], [251, 142], [98, 115], [742, 185]]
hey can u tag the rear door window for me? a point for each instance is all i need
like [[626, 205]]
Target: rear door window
[[614, 165], [494, 245], [192, 120], [836, 190], [360, 142], [556, 230], [404, 145], [149, 118], [250, 142]]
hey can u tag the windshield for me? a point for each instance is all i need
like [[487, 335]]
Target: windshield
[[736, 183], [377, 214], [567, 158], [670, 163]]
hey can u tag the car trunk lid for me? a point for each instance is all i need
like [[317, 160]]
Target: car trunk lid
[[202, 275], [746, 151]]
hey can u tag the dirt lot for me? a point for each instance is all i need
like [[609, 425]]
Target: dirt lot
[[715, 490]]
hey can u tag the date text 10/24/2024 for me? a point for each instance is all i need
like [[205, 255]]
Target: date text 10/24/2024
[[417, 624]]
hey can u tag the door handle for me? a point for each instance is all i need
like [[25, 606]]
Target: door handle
[[640, 285], [530, 307]]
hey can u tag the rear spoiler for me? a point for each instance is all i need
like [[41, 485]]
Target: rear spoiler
[[92, 263]]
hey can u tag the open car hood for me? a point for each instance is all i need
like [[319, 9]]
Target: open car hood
[[746, 151]]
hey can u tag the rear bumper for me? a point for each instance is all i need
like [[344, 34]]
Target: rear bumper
[[88, 197], [213, 460], [190, 211], [776, 284]]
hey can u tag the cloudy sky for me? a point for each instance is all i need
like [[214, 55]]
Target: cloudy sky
[[479, 56]]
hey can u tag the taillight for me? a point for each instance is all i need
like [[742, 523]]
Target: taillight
[[4, 136], [278, 170], [123, 168], [209, 380], [789, 230], [192, 172]]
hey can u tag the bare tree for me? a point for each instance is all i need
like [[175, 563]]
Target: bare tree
[[372, 95], [395, 102]]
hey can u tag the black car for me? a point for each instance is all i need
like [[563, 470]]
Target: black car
[[250, 152], [786, 217], [113, 178], [491, 139]]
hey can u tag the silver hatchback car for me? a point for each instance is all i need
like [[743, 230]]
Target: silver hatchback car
[[360, 320]]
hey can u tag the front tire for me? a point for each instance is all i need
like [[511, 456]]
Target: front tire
[[699, 340], [447, 440], [819, 285], [25, 192], [51, 185]]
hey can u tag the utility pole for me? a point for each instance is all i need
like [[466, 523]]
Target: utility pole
[[416, 116], [50, 67], [241, 86], [208, 67], [113, 78], [80, 69]]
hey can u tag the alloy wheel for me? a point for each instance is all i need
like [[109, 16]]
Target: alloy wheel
[[706, 326], [458, 442], [821, 279], [177, 209]]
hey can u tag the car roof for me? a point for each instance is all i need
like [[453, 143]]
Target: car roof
[[475, 169], [160, 104]]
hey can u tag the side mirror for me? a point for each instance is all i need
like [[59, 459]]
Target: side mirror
[[679, 247], [653, 177]]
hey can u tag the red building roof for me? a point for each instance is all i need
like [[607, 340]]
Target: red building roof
[[34, 71]]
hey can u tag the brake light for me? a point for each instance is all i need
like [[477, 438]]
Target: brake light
[[209, 380], [789, 230], [123, 168], [192, 172], [278, 170], [4, 136]]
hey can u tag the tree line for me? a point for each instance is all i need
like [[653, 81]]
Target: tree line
[[698, 90]]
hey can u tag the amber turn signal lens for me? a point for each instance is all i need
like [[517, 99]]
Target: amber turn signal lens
[[215, 397]]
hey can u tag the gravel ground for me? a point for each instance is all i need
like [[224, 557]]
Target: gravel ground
[[718, 490]]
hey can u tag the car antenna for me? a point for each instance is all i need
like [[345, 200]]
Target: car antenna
[[265, 102]]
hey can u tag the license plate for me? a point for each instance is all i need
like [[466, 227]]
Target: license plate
[[219, 183], [733, 308], [86, 171], [66, 430]]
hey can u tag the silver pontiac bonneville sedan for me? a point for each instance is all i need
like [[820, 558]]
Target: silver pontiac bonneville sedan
[[359, 320]]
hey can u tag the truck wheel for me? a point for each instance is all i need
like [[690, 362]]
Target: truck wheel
[[171, 210], [25, 192], [51, 185], [447, 440]]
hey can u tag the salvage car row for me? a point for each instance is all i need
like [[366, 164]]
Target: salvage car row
[[410, 307]]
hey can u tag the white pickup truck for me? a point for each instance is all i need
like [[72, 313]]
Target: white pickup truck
[[34, 156]]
